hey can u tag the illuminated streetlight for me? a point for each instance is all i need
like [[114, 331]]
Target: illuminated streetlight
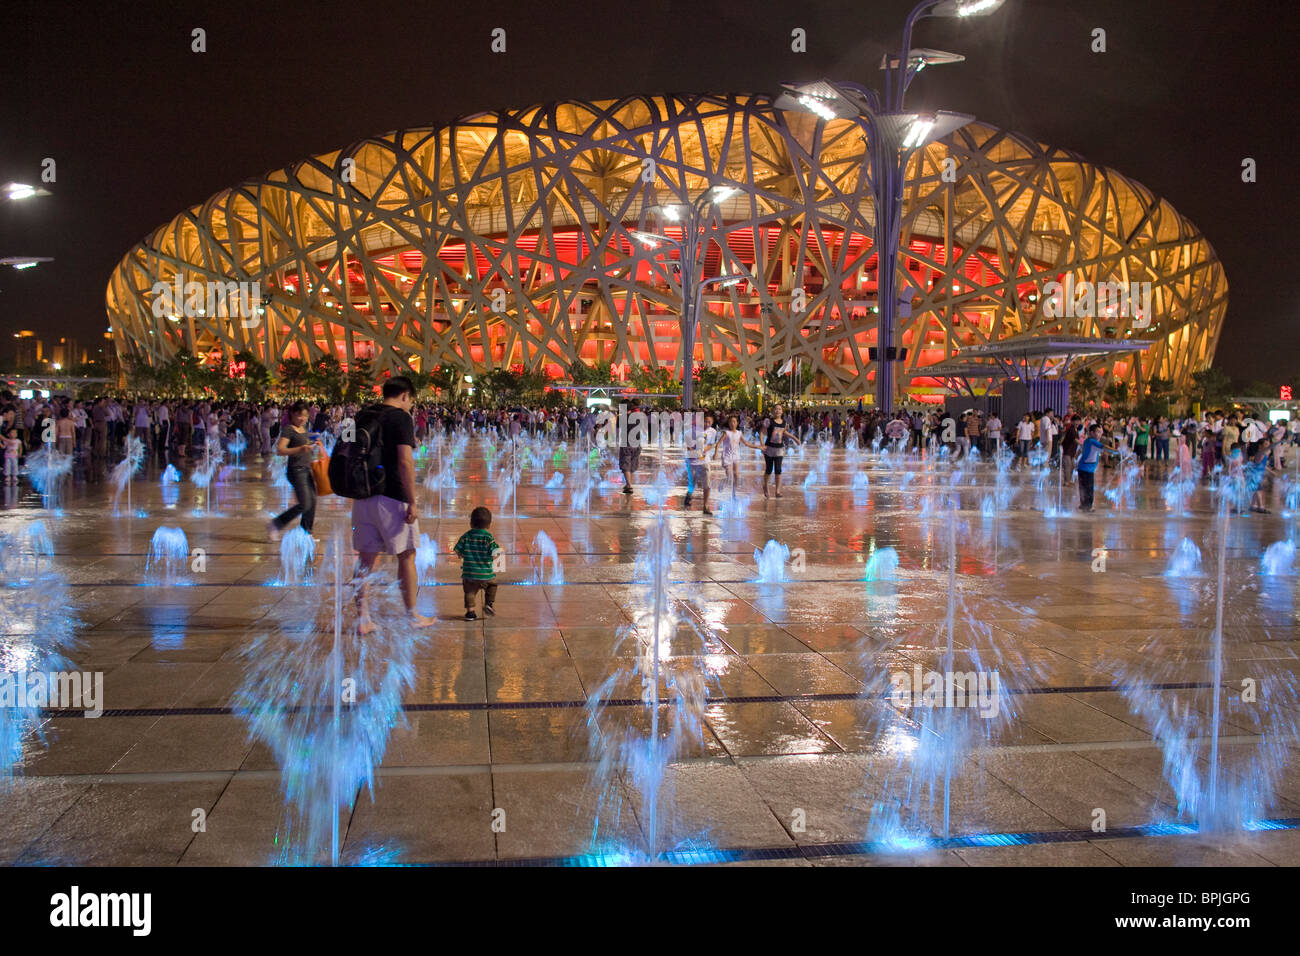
[[24, 262], [893, 134], [20, 191], [689, 252]]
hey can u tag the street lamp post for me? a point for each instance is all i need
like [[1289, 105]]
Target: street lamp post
[[689, 250], [893, 136]]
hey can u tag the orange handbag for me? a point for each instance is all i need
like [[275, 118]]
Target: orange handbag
[[320, 472]]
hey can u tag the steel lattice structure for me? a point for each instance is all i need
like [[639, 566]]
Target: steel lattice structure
[[506, 239]]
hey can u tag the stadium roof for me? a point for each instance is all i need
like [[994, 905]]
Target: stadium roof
[[1027, 357]]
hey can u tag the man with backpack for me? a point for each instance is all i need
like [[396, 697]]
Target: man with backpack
[[377, 470]]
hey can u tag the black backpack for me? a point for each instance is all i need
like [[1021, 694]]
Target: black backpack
[[357, 466]]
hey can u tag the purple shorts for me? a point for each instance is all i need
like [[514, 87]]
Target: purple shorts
[[379, 526]]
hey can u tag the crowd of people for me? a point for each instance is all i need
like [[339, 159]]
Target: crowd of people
[[94, 433], [384, 520]]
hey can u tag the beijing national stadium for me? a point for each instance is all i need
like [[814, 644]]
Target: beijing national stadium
[[518, 238]]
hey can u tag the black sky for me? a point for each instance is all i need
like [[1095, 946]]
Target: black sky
[[140, 127]]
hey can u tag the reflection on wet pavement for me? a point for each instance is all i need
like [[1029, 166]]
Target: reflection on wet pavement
[[804, 738]]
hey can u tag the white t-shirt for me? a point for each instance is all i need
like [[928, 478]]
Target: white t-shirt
[[731, 442], [697, 445], [1025, 431]]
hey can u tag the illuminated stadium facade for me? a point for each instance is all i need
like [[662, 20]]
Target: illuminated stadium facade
[[508, 239]]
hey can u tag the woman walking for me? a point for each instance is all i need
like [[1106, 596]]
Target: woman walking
[[296, 444], [1024, 438], [774, 448]]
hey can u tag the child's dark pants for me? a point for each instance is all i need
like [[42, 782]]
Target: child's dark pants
[[472, 587]]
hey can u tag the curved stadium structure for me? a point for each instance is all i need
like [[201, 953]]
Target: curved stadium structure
[[507, 239]]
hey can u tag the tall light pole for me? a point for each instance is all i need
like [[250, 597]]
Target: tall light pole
[[893, 136], [689, 250]]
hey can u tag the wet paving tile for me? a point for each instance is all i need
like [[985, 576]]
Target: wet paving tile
[[746, 729], [29, 807], [424, 819], [1029, 604], [125, 824], [540, 679]]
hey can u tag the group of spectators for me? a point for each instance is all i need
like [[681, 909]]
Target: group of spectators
[[95, 431]]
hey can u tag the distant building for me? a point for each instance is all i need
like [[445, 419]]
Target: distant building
[[27, 350]]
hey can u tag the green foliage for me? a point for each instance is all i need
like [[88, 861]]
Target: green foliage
[[358, 383], [140, 375], [656, 381], [1085, 388], [1119, 396], [1152, 407], [504, 386], [532, 386], [778, 387], [421, 382], [555, 400], [718, 386], [89, 370], [443, 378], [184, 376], [499, 387], [293, 375], [257, 377], [325, 378], [1211, 387], [1155, 402], [581, 373]]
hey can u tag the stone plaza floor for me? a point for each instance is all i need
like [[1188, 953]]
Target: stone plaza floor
[[792, 762]]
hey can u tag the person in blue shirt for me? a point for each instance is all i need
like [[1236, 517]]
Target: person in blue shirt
[[1090, 453]]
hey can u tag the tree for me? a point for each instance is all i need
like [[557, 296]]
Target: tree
[[257, 377], [1262, 389], [90, 369], [656, 381], [326, 379], [580, 373], [718, 386], [140, 375], [420, 380], [1085, 388], [187, 375], [293, 373], [532, 387], [1211, 387], [443, 378], [166, 379], [555, 400], [501, 386], [779, 385], [1156, 401], [359, 382], [1118, 395]]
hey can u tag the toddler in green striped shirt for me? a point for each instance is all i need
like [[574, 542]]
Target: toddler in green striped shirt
[[477, 549]]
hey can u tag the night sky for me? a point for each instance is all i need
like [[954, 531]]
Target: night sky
[[141, 128]]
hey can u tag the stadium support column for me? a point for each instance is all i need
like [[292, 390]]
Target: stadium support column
[[688, 309]]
